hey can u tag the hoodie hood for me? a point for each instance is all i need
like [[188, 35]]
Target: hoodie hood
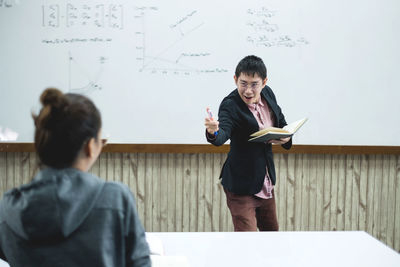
[[52, 206]]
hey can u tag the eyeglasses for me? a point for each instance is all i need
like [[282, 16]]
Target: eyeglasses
[[253, 85]]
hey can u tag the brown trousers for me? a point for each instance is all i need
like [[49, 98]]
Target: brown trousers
[[250, 212]]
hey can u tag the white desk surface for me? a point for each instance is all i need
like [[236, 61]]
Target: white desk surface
[[231, 249], [336, 249]]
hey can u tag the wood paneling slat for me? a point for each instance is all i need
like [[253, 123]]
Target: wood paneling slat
[[320, 181], [193, 191], [370, 193], [201, 183], [362, 211], [216, 194], [129, 171], [10, 171], [384, 199], [209, 178], [348, 181], [313, 206], [171, 193], [290, 193], [140, 160], [186, 194], [377, 196], [327, 195], [34, 164], [156, 182], [305, 193], [104, 166], [355, 195], [341, 192], [181, 192], [391, 198], [298, 166], [148, 188], [25, 172], [163, 197], [397, 206], [222, 201], [334, 210], [280, 189]]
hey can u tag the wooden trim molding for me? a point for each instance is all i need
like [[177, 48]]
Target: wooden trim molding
[[206, 148]]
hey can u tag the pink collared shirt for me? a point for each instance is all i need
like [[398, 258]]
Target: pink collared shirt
[[264, 119]]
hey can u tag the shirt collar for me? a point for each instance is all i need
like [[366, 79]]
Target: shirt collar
[[260, 104]]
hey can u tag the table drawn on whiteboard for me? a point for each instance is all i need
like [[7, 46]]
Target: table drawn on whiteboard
[[168, 59], [266, 33], [84, 15], [78, 74]]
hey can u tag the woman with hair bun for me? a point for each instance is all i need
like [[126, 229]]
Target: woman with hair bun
[[66, 216]]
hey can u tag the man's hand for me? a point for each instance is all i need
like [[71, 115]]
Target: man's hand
[[211, 125], [279, 141]]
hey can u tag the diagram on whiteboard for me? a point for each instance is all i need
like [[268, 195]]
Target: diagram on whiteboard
[[83, 79], [178, 52]]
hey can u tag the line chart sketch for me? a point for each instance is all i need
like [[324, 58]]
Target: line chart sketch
[[81, 80], [179, 54]]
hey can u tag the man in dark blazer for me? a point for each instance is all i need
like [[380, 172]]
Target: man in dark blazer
[[248, 175]]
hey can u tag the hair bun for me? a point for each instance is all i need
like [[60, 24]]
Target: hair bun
[[54, 104], [53, 97]]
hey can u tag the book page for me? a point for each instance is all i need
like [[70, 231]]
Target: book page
[[294, 126], [269, 130]]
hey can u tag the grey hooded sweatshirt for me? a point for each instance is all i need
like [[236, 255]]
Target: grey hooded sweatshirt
[[71, 218]]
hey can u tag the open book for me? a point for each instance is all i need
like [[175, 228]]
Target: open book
[[272, 133]]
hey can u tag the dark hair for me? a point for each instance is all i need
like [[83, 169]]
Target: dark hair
[[251, 65], [65, 123]]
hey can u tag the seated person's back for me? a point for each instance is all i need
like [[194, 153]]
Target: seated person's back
[[67, 216]]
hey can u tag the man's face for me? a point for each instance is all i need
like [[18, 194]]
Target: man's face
[[249, 87]]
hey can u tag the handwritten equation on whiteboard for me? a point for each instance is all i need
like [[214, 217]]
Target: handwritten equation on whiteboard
[[264, 32], [71, 15]]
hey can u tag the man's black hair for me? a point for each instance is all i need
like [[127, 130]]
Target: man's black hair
[[251, 65]]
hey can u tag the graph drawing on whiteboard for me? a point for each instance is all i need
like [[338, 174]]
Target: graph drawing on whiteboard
[[179, 54], [82, 81]]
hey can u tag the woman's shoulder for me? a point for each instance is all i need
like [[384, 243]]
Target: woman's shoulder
[[116, 187], [116, 195]]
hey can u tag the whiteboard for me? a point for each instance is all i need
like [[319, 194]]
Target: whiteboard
[[152, 67]]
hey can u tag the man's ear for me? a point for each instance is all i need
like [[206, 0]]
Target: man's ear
[[264, 81], [235, 78]]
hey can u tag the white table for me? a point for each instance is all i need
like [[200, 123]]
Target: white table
[[336, 249]]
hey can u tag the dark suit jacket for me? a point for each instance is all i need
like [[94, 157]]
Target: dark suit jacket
[[244, 169]]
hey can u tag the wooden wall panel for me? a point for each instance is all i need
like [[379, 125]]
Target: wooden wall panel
[[315, 192]]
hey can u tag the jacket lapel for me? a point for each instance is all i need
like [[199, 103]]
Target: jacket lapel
[[272, 105]]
